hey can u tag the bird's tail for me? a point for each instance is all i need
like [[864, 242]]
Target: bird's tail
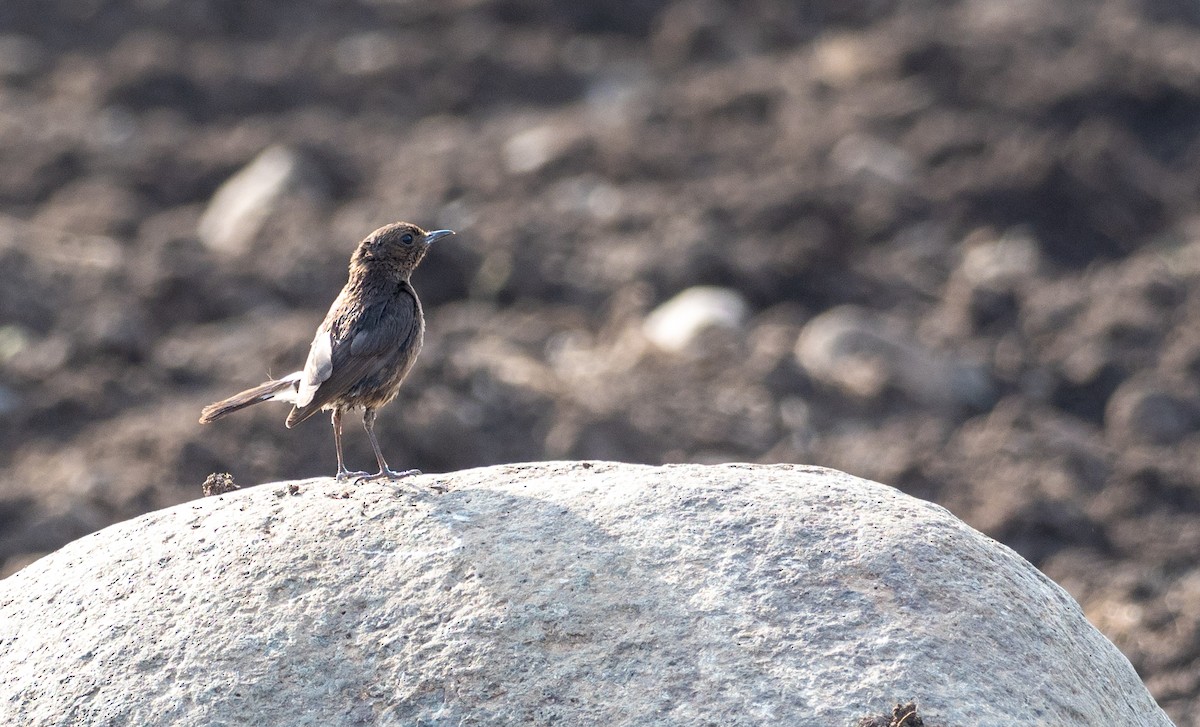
[[276, 389]]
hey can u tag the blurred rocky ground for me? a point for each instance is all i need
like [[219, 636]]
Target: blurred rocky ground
[[949, 245]]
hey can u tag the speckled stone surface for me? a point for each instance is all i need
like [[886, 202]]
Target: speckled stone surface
[[576, 593]]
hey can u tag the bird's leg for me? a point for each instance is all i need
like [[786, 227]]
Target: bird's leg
[[384, 470], [342, 472]]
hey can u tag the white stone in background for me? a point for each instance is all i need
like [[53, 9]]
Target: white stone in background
[[568, 593], [1013, 257], [674, 324], [531, 149], [858, 153], [241, 206], [864, 353]]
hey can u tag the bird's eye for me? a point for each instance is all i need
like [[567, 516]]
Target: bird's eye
[[407, 239]]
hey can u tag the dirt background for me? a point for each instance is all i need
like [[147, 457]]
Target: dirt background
[[1004, 194]]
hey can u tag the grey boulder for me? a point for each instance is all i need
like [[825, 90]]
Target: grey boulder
[[569, 593]]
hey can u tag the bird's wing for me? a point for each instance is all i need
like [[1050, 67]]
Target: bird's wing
[[368, 342], [318, 367], [381, 328]]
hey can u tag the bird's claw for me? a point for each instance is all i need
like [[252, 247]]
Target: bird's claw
[[387, 473], [344, 475]]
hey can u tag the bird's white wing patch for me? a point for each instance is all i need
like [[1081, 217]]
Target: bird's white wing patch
[[317, 369], [288, 394]]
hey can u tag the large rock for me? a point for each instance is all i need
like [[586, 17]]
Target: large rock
[[567, 593]]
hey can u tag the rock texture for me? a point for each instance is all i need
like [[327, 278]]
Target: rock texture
[[569, 593]]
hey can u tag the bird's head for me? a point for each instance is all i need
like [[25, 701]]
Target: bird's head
[[399, 246]]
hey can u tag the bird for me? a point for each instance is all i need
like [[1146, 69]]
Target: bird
[[363, 350]]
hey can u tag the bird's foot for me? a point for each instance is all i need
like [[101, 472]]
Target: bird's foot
[[391, 475], [345, 474], [387, 473]]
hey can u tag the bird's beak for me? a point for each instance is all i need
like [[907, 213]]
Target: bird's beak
[[431, 237]]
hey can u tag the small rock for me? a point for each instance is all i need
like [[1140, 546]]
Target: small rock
[[864, 354], [858, 154], [903, 715], [531, 149], [674, 324], [984, 291], [239, 209], [1012, 258], [218, 483], [13, 340], [1140, 412], [841, 59]]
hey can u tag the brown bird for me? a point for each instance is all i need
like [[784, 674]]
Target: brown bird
[[364, 349]]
